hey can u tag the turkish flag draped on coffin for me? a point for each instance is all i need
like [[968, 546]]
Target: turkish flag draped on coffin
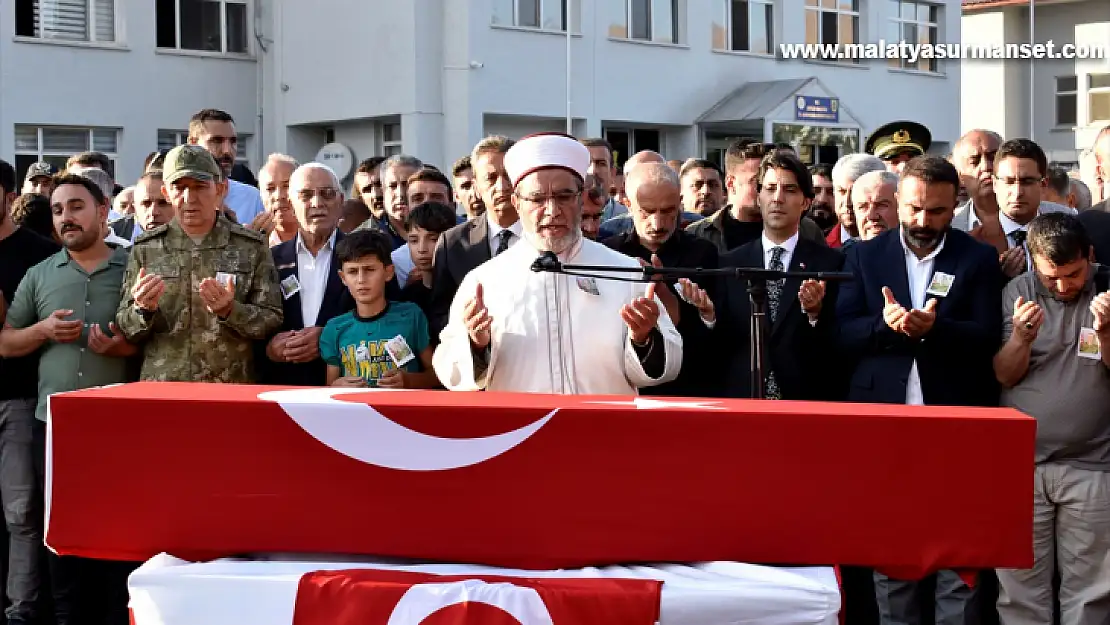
[[527, 481], [375, 597]]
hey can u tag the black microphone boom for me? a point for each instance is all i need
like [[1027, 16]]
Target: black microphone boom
[[549, 262]]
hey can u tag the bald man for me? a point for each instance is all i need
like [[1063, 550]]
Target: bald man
[[973, 158], [1101, 179], [620, 221], [654, 193]]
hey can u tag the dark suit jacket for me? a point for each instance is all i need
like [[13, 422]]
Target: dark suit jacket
[[954, 357], [337, 301], [801, 355], [458, 251], [688, 251], [1097, 224]]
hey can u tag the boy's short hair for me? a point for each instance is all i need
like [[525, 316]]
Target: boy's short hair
[[431, 216], [363, 243]]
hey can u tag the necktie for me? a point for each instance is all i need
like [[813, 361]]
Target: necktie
[[1019, 238], [503, 240], [774, 294]]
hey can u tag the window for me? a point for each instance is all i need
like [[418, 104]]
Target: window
[[1098, 98], [66, 20], [1067, 100], [169, 139], [542, 14], [627, 142], [833, 22], [55, 144], [203, 25], [391, 139], [914, 22], [651, 20], [748, 26]]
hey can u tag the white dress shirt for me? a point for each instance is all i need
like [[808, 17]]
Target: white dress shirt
[[788, 247], [1009, 226], [919, 272], [312, 273], [495, 230], [844, 235], [402, 264]]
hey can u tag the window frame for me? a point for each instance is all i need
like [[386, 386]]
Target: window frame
[[391, 147], [730, 5], [223, 51], [676, 36], [819, 10], [181, 137], [40, 153], [1057, 92], [540, 26], [91, 24], [900, 63], [1093, 91]]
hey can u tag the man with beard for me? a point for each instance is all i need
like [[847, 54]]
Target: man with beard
[[875, 203], [844, 174], [702, 191], [368, 186], [39, 179], [467, 245], [214, 130], [466, 195], [1051, 366], [273, 185], [740, 221], [603, 168], [920, 321], [821, 209], [655, 194], [800, 314], [395, 172], [64, 309], [513, 329], [200, 290], [308, 275], [20, 250], [593, 205]]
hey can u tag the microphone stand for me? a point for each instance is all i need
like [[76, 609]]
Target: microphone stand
[[756, 277]]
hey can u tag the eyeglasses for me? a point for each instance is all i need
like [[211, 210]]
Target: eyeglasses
[[562, 199], [327, 193]]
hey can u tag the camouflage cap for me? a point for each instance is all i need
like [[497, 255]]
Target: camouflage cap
[[40, 169], [190, 161]]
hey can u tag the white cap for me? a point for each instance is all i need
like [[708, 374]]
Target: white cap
[[544, 151]]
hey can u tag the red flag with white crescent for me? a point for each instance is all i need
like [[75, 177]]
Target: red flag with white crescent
[[377, 597]]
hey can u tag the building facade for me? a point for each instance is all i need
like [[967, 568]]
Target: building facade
[[431, 77], [1059, 103]]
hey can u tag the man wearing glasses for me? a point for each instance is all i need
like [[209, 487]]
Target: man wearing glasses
[[308, 278], [199, 290], [1020, 170]]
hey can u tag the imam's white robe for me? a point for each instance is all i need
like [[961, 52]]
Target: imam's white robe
[[549, 333]]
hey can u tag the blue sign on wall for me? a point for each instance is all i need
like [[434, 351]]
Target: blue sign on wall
[[813, 109]]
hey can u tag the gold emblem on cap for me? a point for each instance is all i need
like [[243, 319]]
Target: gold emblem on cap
[[900, 137]]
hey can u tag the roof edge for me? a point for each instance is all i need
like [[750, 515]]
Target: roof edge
[[980, 5]]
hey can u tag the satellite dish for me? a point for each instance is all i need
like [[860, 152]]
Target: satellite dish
[[337, 156]]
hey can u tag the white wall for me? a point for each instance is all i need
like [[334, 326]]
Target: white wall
[[129, 86]]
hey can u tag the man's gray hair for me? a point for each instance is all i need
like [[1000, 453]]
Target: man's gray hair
[[99, 177], [300, 171], [277, 158], [493, 144], [400, 160], [880, 178], [851, 166], [1083, 199], [655, 173]]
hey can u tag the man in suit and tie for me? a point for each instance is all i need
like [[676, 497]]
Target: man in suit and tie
[[309, 277], [920, 323], [469, 244], [800, 323]]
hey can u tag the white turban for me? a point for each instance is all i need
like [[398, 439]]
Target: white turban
[[544, 151]]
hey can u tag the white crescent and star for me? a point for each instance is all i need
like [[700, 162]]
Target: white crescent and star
[[422, 600], [646, 403], [359, 431]]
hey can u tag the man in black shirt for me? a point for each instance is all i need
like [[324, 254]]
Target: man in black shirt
[[20, 249], [653, 191]]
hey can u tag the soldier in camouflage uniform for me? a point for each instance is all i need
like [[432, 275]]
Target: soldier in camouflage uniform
[[200, 290]]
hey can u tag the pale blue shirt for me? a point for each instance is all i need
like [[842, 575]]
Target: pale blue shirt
[[245, 200]]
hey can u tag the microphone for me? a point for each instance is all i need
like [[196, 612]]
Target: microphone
[[547, 261]]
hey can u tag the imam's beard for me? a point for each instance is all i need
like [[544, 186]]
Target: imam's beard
[[558, 245]]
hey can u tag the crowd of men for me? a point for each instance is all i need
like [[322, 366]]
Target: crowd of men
[[976, 283]]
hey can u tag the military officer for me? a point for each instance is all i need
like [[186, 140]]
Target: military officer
[[897, 142], [199, 290]]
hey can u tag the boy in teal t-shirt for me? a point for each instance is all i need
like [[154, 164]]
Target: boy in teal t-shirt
[[380, 343]]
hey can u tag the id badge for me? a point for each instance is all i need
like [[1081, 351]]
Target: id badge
[[399, 351], [290, 286], [1089, 346], [941, 284]]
